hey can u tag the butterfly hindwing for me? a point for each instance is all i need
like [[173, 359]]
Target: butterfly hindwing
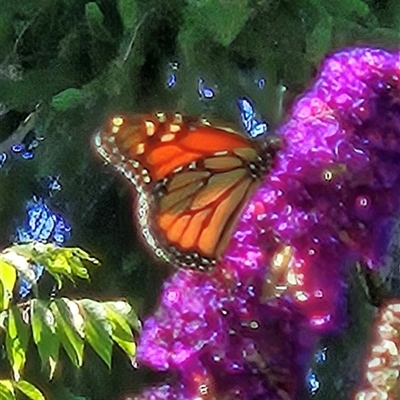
[[197, 208]]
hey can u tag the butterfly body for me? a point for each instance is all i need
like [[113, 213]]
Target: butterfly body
[[192, 180]]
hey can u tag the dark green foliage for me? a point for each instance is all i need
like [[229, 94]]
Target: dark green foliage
[[68, 98], [221, 21], [345, 352], [128, 11], [85, 59]]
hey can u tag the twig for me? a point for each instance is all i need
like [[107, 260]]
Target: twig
[[24, 29], [135, 33]]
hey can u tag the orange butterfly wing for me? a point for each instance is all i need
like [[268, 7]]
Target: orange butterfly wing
[[193, 179]]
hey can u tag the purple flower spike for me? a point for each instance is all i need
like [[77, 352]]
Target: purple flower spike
[[335, 190], [162, 392], [246, 330], [189, 311], [217, 339]]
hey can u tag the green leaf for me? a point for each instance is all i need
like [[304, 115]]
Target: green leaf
[[56, 265], [29, 390], [44, 334], [128, 13], [70, 261], [17, 337], [97, 329], [94, 19], [2, 302], [21, 262], [58, 262], [348, 8], [121, 330], [6, 390], [123, 309], [77, 268], [83, 255], [69, 328], [222, 19], [93, 14], [67, 99], [8, 276]]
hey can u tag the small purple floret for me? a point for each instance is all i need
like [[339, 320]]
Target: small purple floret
[[187, 319]]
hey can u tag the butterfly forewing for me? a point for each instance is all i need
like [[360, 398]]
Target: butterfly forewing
[[192, 178]]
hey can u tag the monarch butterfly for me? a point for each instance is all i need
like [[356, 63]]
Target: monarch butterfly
[[192, 180]]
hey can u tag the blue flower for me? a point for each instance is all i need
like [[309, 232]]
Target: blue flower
[[44, 225], [3, 159], [204, 91], [261, 83], [28, 144], [251, 124], [313, 383]]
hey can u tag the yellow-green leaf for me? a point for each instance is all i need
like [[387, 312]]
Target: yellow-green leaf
[[121, 330], [69, 328], [84, 256], [60, 264], [6, 390], [2, 302], [78, 268], [8, 276], [17, 338], [97, 329], [44, 333], [29, 390], [125, 310], [68, 261]]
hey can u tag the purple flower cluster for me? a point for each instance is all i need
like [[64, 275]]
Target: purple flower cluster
[[220, 340], [334, 192], [246, 329]]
